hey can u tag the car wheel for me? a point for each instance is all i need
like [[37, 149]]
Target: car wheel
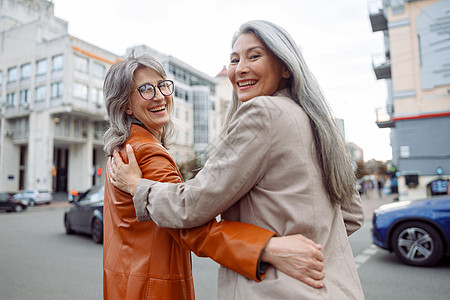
[[31, 203], [18, 208], [97, 231], [417, 244], [67, 225]]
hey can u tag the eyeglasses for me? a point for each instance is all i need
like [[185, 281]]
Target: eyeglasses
[[148, 91]]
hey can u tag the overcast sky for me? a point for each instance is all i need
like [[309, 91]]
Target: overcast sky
[[335, 37]]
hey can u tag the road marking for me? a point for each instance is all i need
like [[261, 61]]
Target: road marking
[[365, 255]]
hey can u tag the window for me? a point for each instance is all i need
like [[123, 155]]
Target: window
[[412, 180], [41, 67], [10, 100], [80, 91], [25, 71], [76, 126], [40, 93], [99, 70], [24, 97], [12, 74], [97, 96], [57, 62], [81, 64], [66, 125], [57, 90]]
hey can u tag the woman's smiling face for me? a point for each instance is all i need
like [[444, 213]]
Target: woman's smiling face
[[254, 70], [154, 114]]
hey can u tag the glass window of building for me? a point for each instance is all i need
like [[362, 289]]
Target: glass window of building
[[12, 74], [25, 71], [76, 127], [57, 90], [40, 93], [81, 64], [57, 62], [41, 67], [80, 91], [10, 99], [99, 70], [97, 96], [24, 97], [66, 125]]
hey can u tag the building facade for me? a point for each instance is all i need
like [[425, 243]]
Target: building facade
[[416, 68], [52, 109]]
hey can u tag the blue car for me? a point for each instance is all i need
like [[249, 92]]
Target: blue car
[[418, 232]]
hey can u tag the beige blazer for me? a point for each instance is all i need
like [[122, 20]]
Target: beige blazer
[[265, 172]]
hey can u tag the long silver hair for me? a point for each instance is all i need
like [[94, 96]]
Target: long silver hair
[[334, 159], [117, 89]]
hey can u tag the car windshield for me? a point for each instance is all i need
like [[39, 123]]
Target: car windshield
[[95, 194]]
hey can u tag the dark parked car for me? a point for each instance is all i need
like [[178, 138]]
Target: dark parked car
[[8, 203], [417, 231], [86, 214]]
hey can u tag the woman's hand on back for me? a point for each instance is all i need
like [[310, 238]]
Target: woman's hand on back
[[298, 257]]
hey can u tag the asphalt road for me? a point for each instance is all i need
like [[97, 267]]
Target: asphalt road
[[39, 261]]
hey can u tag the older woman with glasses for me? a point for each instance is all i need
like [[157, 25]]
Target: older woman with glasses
[[143, 261]]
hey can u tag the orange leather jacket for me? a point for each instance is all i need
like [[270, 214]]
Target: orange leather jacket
[[143, 261]]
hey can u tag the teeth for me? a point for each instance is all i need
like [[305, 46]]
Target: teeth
[[246, 83], [159, 108]]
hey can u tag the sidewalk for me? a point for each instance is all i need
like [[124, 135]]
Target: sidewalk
[[371, 201]]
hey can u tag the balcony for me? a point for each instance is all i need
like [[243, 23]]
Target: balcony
[[382, 66], [377, 17], [384, 116]]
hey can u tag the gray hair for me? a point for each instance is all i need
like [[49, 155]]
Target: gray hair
[[334, 159], [117, 88]]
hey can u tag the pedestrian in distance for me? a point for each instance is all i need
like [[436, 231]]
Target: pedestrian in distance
[[282, 164], [143, 261]]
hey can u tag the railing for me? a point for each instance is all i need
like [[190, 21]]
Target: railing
[[384, 116], [382, 66], [376, 14]]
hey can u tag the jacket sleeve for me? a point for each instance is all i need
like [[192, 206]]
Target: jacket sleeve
[[353, 214], [234, 167], [234, 245]]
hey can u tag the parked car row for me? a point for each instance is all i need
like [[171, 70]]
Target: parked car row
[[9, 203], [20, 201]]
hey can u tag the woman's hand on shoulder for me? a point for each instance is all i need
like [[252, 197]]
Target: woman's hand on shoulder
[[125, 176]]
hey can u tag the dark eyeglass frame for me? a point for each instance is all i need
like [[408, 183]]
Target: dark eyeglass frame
[[159, 85]]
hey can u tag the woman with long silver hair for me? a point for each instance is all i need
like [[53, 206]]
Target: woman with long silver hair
[[282, 164]]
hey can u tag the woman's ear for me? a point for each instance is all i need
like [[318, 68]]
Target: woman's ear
[[128, 111], [286, 73]]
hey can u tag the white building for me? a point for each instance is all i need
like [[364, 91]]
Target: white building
[[52, 107]]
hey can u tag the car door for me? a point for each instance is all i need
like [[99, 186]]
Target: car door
[[86, 208], [4, 201]]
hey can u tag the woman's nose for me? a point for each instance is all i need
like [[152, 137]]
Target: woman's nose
[[158, 95], [242, 67]]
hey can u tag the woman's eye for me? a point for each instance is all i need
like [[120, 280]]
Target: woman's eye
[[234, 61], [255, 56], [146, 88]]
